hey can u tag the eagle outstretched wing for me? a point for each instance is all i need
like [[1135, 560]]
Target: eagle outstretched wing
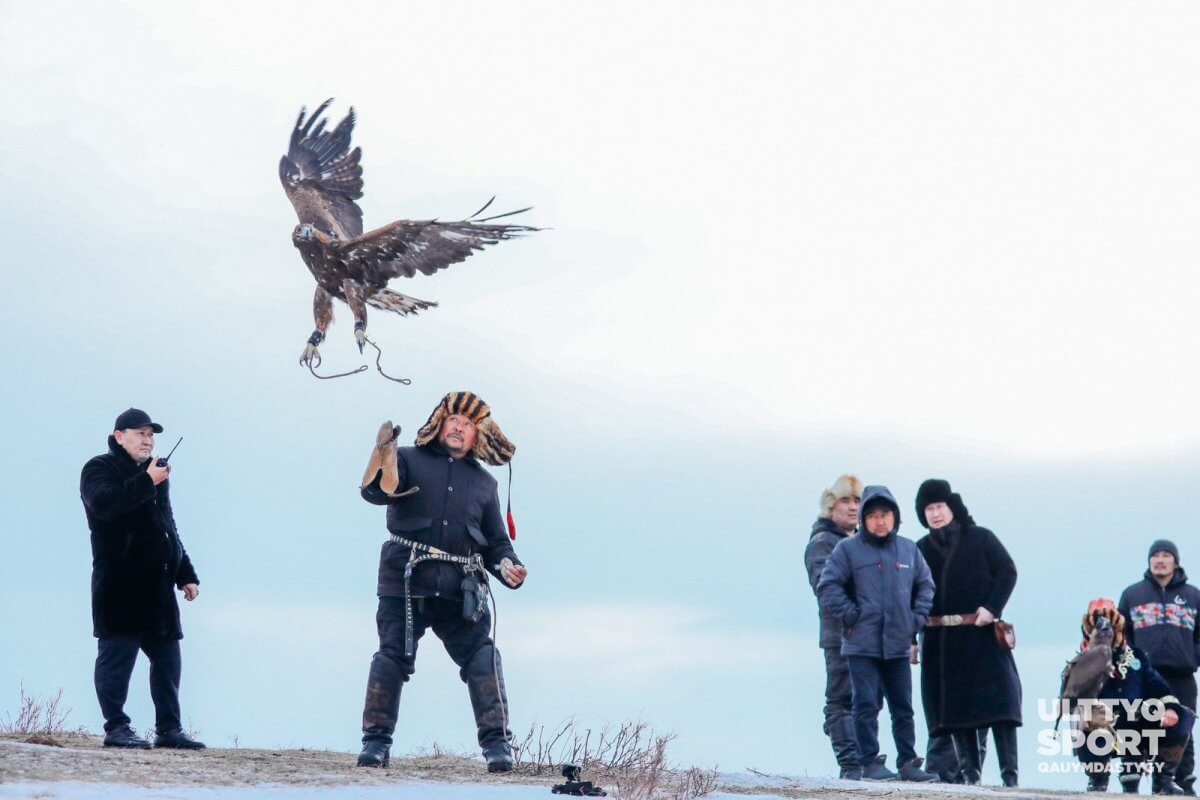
[[404, 248], [322, 176]]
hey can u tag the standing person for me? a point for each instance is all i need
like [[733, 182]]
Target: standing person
[[837, 520], [968, 680], [446, 530], [137, 563], [1161, 611], [880, 588]]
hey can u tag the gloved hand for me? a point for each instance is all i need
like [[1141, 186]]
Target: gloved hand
[[383, 457], [514, 574]]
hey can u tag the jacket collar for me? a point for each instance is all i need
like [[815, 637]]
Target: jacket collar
[[824, 525], [1177, 580], [124, 460]]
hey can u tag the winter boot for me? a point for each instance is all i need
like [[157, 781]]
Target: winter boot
[[850, 772], [1163, 781], [126, 738], [484, 677], [911, 771], [845, 747], [966, 745], [877, 770], [1098, 781], [1188, 785], [176, 740], [380, 710], [1006, 752]]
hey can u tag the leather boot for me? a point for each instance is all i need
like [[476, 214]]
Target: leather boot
[[1006, 752], [380, 710], [1163, 780], [966, 745], [484, 677], [845, 747], [1098, 778]]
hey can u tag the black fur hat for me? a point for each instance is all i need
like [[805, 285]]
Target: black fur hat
[[936, 490]]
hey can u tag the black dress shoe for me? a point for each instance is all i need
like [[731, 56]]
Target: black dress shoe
[[177, 740], [375, 754], [125, 737]]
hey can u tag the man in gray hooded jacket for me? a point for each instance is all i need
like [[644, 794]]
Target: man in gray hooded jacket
[[880, 587]]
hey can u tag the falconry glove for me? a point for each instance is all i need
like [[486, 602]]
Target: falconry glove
[[383, 458]]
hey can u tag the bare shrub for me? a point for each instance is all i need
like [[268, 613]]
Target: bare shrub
[[631, 755], [39, 715]]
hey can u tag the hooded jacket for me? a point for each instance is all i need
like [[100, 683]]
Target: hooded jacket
[[824, 537], [456, 510], [1162, 621], [880, 588], [137, 557]]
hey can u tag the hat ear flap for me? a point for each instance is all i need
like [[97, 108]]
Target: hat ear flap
[[431, 427], [491, 445]]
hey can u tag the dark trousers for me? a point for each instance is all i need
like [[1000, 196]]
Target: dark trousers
[[1183, 685], [839, 708], [470, 647], [115, 657], [873, 679]]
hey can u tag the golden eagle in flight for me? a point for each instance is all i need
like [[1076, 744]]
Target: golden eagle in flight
[[322, 178]]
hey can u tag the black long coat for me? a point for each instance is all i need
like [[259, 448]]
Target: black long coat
[[967, 679], [137, 557], [457, 510]]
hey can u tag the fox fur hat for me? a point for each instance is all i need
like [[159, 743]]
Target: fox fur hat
[[845, 486], [1103, 607], [491, 446]]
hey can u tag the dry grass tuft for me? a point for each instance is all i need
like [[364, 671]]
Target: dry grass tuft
[[632, 756], [40, 716]]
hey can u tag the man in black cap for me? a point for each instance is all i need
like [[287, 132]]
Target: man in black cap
[[137, 562], [1161, 611]]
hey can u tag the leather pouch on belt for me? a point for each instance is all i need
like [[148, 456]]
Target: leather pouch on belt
[[474, 598]]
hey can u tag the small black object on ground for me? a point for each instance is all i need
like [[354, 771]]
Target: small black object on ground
[[574, 786]]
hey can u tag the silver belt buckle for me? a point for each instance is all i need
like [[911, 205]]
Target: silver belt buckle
[[950, 620]]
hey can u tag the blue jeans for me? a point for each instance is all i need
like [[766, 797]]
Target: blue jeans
[[873, 679]]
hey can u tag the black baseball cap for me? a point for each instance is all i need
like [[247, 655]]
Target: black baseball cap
[[135, 418]]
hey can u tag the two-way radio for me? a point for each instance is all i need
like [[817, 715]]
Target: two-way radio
[[162, 462]]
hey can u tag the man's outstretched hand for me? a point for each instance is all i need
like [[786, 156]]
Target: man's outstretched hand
[[191, 591]]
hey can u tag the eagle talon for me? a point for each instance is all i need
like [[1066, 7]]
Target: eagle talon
[[361, 337], [311, 357]]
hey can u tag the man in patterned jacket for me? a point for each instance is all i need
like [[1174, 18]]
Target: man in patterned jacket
[[1161, 609]]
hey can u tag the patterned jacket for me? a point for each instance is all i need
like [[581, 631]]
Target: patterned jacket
[[1162, 621]]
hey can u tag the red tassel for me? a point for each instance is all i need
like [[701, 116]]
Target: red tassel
[[512, 527]]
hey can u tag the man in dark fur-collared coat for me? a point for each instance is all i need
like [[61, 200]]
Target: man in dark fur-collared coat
[[968, 680], [446, 528], [138, 562]]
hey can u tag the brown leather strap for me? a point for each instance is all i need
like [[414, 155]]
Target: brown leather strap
[[952, 620]]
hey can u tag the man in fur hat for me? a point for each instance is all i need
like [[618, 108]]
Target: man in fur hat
[[1133, 677], [446, 532], [1161, 610], [837, 520]]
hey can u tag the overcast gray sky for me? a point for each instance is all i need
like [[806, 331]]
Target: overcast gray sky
[[786, 240]]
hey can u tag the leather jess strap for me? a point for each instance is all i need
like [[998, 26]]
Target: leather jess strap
[[952, 620]]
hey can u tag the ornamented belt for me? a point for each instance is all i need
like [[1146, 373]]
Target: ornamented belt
[[417, 553], [952, 620]]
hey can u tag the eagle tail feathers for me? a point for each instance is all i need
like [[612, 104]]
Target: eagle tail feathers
[[387, 300]]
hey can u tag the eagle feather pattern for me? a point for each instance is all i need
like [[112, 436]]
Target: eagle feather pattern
[[322, 178]]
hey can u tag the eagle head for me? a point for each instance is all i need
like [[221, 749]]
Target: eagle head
[[304, 233]]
